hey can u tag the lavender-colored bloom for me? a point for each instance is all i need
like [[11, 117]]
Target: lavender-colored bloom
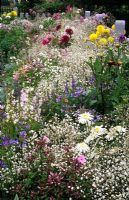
[[2, 164], [22, 134], [78, 92], [5, 141], [121, 38], [14, 142], [73, 83], [59, 98]]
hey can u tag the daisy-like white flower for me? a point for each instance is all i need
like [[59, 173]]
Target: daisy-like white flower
[[85, 118], [82, 147], [98, 130]]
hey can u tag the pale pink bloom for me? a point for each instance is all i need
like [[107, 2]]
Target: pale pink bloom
[[46, 139]]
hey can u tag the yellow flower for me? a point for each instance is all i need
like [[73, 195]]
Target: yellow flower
[[102, 41], [100, 28], [14, 13], [107, 31], [8, 14], [93, 37], [98, 33], [113, 27], [111, 39]]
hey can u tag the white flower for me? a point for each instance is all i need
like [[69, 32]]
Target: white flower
[[7, 17], [85, 118], [40, 26], [120, 129], [114, 131], [98, 130], [82, 147]]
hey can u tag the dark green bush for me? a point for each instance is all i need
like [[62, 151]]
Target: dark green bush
[[11, 42]]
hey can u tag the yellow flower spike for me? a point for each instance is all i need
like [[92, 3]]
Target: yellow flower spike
[[124, 32], [93, 37], [14, 13], [100, 28], [103, 42], [111, 39], [113, 27]]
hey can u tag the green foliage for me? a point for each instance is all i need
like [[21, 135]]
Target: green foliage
[[51, 7], [111, 80], [11, 42]]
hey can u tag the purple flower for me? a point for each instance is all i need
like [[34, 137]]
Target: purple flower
[[22, 134], [2, 164], [59, 98], [14, 142], [73, 83], [121, 38], [5, 141]]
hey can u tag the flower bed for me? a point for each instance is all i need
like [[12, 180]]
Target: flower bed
[[64, 111]]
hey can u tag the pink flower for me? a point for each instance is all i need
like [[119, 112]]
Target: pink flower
[[56, 16], [69, 31], [16, 76], [82, 19], [81, 159], [46, 139], [47, 40], [64, 39], [54, 178], [69, 8]]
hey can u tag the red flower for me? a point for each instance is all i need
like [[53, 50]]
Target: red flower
[[69, 31], [46, 40], [58, 27], [64, 39]]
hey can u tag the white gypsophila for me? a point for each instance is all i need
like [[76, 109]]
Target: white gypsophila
[[82, 147], [41, 27], [114, 131], [85, 118]]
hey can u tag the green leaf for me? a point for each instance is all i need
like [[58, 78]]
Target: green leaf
[[16, 197]]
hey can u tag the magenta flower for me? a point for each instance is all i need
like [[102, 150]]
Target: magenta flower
[[81, 159], [46, 40]]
